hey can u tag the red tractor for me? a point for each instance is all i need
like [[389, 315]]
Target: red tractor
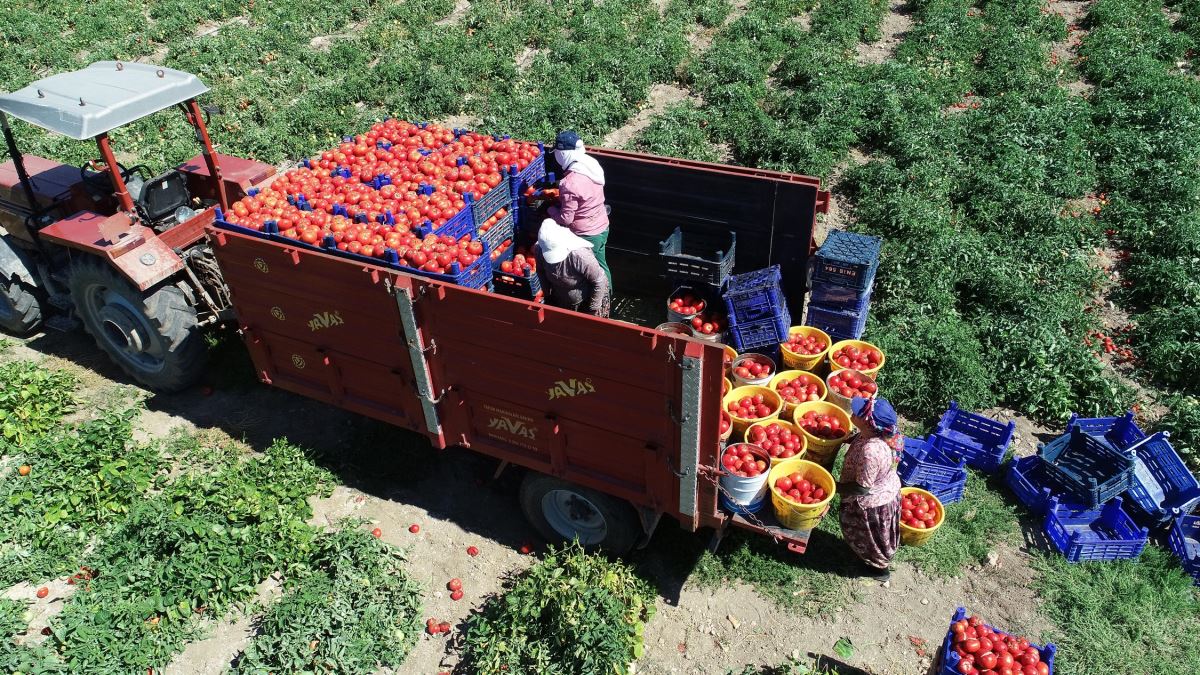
[[119, 249]]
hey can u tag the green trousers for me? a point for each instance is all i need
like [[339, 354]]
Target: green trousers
[[598, 242]]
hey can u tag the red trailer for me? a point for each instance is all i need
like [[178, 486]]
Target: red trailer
[[618, 423]]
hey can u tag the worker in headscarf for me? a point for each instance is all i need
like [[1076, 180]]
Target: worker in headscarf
[[870, 486], [570, 274], [581, 196]]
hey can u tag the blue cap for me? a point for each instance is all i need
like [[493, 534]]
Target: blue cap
[[566, 140], [884, 414]]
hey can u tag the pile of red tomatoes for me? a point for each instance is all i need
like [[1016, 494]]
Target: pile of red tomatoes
[[985, 651], [403, 179]]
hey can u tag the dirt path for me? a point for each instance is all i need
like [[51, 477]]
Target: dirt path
[[661, 96], [896, 24]]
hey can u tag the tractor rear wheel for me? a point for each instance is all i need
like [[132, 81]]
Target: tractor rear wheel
[[20, 303], [562, 511], [152, 335]]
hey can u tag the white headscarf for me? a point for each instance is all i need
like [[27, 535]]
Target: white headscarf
[[579, 161], [557, 242]]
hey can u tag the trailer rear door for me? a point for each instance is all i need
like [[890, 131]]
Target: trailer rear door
[[601, 403]]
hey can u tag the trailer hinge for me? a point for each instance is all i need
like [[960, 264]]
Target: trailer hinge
[[431, 348]]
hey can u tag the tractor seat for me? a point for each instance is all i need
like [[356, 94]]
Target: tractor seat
[[161, 196]]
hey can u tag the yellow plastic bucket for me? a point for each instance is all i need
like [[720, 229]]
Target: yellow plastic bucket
[[911, 536], [730, 355], [822, 450], [861, 345], [790, 427], [808, 362], [836, 398], [788, 376], [726, 386], [728, 432], [796, 516], [770, 398]]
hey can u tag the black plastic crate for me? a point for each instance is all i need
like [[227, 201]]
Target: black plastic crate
[[847, 259], [1091, 467], [698, 257], [516, 284]]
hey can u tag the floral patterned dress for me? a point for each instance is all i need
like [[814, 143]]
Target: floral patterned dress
[[871, 522]]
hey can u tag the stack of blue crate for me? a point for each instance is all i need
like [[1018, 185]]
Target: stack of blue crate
[[842, 278]]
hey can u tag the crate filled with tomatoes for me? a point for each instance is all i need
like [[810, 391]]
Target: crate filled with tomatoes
[[972, 647], [410, 196]]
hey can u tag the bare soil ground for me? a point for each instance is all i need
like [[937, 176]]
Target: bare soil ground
[[896, 24], [394, 479], [661, 96]]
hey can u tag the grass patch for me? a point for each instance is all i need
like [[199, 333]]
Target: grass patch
[[973, 528], [570, 613], [1133, 617], [354, 611]]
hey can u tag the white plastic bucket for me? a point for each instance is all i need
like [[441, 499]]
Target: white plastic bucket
[[744, 491]]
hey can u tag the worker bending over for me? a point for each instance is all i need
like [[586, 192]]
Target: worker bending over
[[571, 276]]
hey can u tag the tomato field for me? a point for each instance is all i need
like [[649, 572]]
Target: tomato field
[[1033, 167]]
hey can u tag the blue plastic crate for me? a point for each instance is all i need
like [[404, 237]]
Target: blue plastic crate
[[1032, 483], [698, 257], [757, 335], [1091, 469], [754, 296], [1161, 486], [947, 493], [837, 324], [981, 441], [1121, 432], [1105, 533], [497, 198], [534, 172], [847, 259], [499, 232], [840, 298], [923, 462], [477, 275], [459, 226], [1184, 541], [950, 659]]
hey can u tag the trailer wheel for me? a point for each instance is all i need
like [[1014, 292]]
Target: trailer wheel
[[562, 511], [151, 335], [20, 301]]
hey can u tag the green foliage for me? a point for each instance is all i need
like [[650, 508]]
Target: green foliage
[[1121, 617], [570, 613], [196, 548], [81, 479], [15, 658], [32, 400], [355, 603], [1183, 422], [973, 528], [678, 132]]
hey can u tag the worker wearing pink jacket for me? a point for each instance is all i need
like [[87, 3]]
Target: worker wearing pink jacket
[[581, 196]]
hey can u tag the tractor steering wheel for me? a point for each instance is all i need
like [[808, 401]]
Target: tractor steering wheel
[[92, 172]]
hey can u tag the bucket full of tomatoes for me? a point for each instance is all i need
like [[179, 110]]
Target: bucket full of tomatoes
[[726, 426], [825, 428], [755, 369], [750, 404], [781, 439], [800, 492], [921, 514], [805, 348], [846, 384], [744, 473], [730, 356], [864, 357], [796, 387]]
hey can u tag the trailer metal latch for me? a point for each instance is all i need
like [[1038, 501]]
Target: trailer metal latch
[[430, 349]]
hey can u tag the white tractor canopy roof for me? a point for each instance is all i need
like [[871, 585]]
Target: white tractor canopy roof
[[105, 95]]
